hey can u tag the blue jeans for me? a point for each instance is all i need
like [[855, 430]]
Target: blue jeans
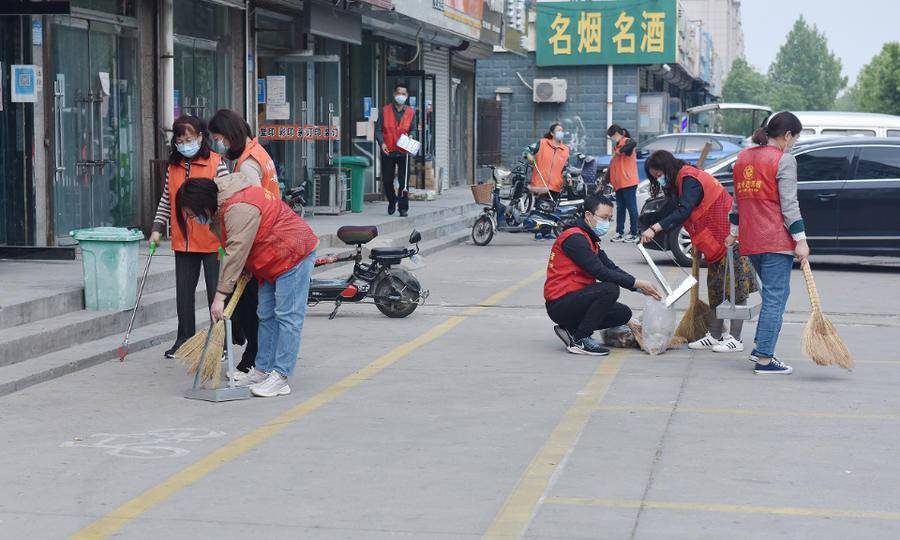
[[774, 270], [281, 310], [626, 199]]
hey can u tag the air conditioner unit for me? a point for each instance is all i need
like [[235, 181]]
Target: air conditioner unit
[[550, 90]]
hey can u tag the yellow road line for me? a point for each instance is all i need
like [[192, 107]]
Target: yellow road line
[[517, 511], [121, 516], [745, 412], [726, 508]]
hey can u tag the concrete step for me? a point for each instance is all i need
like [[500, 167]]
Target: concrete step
[[38, 338], [56, 364]]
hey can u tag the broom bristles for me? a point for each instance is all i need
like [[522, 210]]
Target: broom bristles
[[694, 323], [192, 346], [821, 341]]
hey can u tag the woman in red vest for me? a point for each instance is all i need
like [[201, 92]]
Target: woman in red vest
[[702, 206], [264, 236], [583, 284], [771, 230], [233, 138], [623, 175], [194, 246]]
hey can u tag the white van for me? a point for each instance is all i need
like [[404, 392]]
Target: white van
[[839, 124]]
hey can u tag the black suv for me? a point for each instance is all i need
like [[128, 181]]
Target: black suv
[[849, 191]]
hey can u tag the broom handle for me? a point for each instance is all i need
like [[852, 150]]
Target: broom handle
[[695, 271], [811, 287], [238, 290]]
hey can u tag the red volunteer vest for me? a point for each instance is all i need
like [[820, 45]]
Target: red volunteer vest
[[708, 224], [270, 178], [550, 160], [392, 130], [283, 239], [199, 238], [563, 275], [623, 171], [762, 227]]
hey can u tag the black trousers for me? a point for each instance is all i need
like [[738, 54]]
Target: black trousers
[[245, 325], [187, 275], [592, 308], [395, 167]]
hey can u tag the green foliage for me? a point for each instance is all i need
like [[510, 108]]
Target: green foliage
[[744, 84], [878, 86], [848, 101], [805, 63]]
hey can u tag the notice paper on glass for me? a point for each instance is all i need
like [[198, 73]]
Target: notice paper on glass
[[278, 111], [409, 144], [276, 89]]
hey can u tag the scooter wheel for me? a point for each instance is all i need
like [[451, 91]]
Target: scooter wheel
[[401, 285], [483, 231]]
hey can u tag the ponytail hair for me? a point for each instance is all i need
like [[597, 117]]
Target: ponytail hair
[[778, 125], [553, 126], [616, 128]]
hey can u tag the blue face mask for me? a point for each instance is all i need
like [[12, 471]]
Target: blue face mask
[[601, 227], [188, 149], [663, 181], [400, 99], [219, 146], [206, 220]]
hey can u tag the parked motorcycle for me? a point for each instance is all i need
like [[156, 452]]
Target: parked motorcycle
[[548, 216], [295, 198], [395, 291], [514, 186]]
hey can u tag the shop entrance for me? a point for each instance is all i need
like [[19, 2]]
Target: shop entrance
[[95, 102], [203, 57]]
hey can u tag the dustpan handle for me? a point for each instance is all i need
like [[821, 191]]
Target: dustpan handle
[[729, 273]]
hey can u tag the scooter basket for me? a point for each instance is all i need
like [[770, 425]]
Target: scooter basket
[[483, 193]]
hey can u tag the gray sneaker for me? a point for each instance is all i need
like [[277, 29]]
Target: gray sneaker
[[588, 346], [630, 239], [617, 238], [274, 385], [564, 335]]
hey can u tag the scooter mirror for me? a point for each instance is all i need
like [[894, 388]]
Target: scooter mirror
[[415, 237]]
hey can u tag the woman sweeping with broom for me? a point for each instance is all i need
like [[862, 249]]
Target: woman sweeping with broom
[[263, 235], [702, 206], [771, 228]]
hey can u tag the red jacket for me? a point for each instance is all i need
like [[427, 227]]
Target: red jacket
[[762, 228], [282, 240], [563, 275], [392, 130], [708, 223], [199, 238]]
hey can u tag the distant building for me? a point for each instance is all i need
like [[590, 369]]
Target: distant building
[[722, 20]]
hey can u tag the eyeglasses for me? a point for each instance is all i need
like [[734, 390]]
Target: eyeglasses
[[601, 218]]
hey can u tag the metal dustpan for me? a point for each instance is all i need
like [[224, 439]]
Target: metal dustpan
[[728, 309], [671, 295], [227, 393]]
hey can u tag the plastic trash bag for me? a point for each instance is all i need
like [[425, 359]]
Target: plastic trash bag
[[657, 326], [619, 336]]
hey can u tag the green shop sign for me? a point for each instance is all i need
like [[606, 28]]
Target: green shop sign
[[606, 32]]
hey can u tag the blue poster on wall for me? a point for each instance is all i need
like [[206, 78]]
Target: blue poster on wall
[[260, 91], [367, 107]]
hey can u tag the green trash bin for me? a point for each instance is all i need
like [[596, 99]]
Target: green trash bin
[[109, 257], [357, 166]]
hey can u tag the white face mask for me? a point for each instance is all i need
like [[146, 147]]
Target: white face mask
[[558, 135], [400, 99]]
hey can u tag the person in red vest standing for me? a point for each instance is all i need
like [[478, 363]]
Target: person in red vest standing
[[702, 205], [623, 175], [234, 139], [194, 246], [264, 236], [583, 284], [396, 119], [771, 230]]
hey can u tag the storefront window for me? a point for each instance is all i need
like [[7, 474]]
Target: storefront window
[[117, 7], [202, 58]]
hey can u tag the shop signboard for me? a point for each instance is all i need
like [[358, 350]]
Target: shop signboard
[[591, 33], [286, 132]]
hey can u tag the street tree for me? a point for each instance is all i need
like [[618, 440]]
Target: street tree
[[805, 63], [744, 84], [878, 87], [848, 101]]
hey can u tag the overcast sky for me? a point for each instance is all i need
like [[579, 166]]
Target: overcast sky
[[855, 30]]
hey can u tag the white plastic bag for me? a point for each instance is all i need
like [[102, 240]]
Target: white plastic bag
[[657, 326]]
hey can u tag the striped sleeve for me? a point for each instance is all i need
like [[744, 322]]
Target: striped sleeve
[[222, 169], [163, 210]]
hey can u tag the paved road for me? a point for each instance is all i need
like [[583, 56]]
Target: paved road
[[468, 420]]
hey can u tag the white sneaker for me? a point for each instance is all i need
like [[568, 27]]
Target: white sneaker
[[728, 344], [704, 343], [254, 376], [618, 238], [274, 385]]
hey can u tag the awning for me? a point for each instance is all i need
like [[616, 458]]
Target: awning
[[384, 4]]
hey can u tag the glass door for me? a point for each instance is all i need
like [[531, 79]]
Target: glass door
[[97, 135], [200, 77]]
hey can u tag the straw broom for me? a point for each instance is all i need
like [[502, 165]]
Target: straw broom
[[821, 341], [695, 322], [211, 340]]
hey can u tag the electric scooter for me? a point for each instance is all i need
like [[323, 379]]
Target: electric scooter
[[396, 292]]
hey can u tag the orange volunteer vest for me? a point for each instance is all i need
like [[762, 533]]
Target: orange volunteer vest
[[199, 238], [392, 130], [623, 171], [270, 178], [550, 160]]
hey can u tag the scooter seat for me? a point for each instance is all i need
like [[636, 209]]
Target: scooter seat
[[388, 253], [357, 234]]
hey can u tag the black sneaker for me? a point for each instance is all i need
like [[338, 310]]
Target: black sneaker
[[588, 346], [774, 367], [392, 207], [171, 352], [564, 335]]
